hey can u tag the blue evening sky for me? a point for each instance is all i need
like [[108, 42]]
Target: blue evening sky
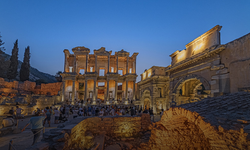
[[153, 28]]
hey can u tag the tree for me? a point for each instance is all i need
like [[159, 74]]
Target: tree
[[58, 76], [12, 71], [1, 43], [25, 67]]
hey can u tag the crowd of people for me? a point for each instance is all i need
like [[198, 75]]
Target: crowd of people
[[62, 114]]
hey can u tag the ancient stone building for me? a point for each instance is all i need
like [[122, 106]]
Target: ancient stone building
[[101, 76], [154, 88], [207, 68]]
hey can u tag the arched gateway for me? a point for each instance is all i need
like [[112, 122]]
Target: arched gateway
[[190, 88]]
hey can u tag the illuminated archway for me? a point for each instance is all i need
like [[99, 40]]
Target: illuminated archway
[[190, 89], [146, 99]]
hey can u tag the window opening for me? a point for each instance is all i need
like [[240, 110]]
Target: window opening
[[82, 71], [70, 69], [101, 72]]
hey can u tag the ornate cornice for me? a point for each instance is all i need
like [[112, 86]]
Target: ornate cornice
[[205, 54]]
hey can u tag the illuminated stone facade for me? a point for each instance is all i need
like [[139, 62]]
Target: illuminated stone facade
[[154, 89], [99, 77], [206, 68]]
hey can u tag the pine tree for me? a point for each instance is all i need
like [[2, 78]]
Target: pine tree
[[12, 71], [1, 43], [25, 67]]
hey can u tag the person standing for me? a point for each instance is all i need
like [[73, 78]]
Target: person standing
[[18, 112], [37, 125], [48, 113], [57, 115]]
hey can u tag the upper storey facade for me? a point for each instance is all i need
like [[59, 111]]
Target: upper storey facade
[[101, 63]]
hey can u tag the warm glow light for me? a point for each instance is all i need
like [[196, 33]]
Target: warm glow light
[[126, 102], [181, 55], [144, 75], [107, 102], [198, 46], [149, 74]]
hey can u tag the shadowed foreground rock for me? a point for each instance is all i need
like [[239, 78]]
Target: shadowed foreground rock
[[183, 129]]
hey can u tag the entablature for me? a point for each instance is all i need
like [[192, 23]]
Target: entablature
[[200, 56]]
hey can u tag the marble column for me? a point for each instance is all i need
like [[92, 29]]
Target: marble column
[[65, 63], [108, 62], [75, 64], [86, 68], [96, 63], [94, 94], [126, 94], [63, 92], [127, 66], [73, 93], [135, 66], [133, 90], [107, 90], [117, 64], [116, 87], [86, 88]]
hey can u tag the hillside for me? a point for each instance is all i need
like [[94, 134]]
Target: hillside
[[34, 73]]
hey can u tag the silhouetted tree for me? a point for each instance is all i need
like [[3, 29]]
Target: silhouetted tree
[[1, 43], [12, 71], [58, 76], [40, 81], [2, 60], [25, 67]]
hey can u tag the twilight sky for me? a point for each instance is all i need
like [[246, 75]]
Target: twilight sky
[[153, 28]]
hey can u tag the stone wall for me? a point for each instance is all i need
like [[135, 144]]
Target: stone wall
[[236, 58], [122, 127], [183, 129], [28, 86]]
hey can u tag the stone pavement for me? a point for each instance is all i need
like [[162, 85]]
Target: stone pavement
[[23, 140]]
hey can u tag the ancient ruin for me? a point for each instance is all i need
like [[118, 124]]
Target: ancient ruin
[[99, 77], [206, 68]]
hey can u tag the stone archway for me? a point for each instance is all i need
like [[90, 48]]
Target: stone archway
[[190, 89], [146, 104], [146, 99]]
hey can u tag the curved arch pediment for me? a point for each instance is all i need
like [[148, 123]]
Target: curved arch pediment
[[189, 77]]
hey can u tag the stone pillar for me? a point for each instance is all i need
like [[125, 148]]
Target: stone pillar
[[134, 90], [107, 90], [75, 64], [127, 66], [94, 94], [108, 62], [116, 87], [95, 63], [73, 93], [86, 63], [65, 63], [126, 94], [86, 88], [63, 91], [135, 66], [117, 64]]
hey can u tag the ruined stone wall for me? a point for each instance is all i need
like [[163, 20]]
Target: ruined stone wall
[[50, 88], [183, 129], [236, 58], [112, 126]]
